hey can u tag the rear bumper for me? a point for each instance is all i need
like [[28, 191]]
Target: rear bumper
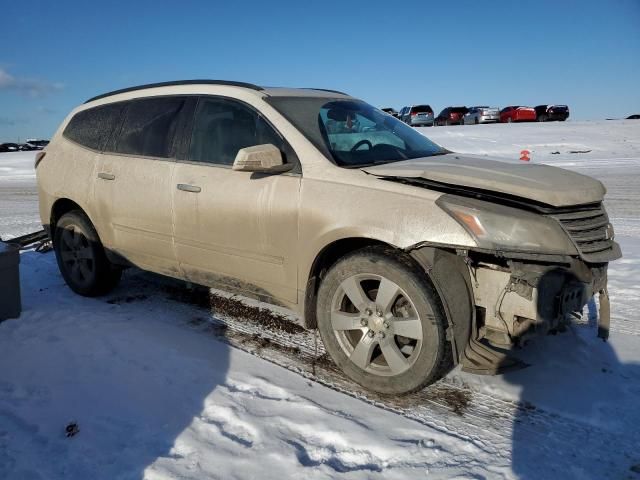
[[415, 121], [489, 118], [557, 116]]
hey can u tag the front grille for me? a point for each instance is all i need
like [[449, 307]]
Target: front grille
[[589, 228]]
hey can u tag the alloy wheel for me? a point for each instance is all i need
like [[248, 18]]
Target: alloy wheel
[[376, 324], [77, 255]]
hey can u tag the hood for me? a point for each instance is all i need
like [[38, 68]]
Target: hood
[[541, 183]]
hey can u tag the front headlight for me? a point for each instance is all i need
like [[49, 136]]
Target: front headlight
[[496, 227]]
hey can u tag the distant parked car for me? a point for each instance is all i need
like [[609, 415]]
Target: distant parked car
[[482, 114], [633, 117], [451, 116], [390, 111], [417, 115], [516, 113], [36, 144], [548, 113], [9, 147]]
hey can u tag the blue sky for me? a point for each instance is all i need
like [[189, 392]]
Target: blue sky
[[55, 55]]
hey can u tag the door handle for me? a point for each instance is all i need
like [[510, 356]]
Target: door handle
[[189, 188], [106, 176]]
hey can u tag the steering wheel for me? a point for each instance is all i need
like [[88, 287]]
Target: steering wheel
[[360, 143]]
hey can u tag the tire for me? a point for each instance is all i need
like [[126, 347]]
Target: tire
[[364, 341], [542, 118], [477, 122], [81, 257]]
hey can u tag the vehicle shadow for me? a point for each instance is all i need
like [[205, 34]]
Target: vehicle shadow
[[578, 416], [128, 369]]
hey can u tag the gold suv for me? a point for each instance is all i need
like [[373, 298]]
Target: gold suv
[[407, 257]]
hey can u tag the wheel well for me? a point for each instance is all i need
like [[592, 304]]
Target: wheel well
[[323, 261], [60, 207]]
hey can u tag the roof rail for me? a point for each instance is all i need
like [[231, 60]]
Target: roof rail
[[178, 82], [326, 90]]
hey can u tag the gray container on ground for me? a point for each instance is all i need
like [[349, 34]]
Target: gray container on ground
[[10, 305]]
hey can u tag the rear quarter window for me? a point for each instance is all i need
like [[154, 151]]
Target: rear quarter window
[[93, 127]]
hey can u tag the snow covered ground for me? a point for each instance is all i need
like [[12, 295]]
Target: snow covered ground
[[163, 387], [18, 194]]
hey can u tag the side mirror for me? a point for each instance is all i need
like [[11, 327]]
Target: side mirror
[[260, 158]]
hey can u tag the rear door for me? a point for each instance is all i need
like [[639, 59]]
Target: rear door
[[134, 182], [235, 229]]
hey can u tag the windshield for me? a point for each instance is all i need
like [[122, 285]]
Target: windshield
[[353, 133]]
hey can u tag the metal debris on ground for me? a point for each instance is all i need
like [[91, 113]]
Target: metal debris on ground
[[71, 429]]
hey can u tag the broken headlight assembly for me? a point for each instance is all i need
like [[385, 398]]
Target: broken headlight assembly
[[497, 227]]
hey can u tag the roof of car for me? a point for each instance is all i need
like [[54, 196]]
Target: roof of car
[[269, 91]]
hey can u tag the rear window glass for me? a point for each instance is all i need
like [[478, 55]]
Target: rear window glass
[[459, 110], [149, 127], [92, 128], [422, 108]]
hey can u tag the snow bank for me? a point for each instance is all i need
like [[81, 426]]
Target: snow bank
[[17, 166]]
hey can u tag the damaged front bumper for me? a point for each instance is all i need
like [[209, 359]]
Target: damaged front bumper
[[515, 299]]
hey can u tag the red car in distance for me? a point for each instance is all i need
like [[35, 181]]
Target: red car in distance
[[515, 113]]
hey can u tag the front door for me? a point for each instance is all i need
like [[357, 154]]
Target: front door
[[234, 229]]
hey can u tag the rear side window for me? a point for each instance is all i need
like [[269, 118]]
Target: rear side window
[[222, 127], [149, 127], [93, 127]]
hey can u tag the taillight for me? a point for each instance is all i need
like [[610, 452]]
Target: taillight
[[413, 114], [39, 156]]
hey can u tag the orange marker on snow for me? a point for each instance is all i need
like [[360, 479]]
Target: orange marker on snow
[[524, 155]]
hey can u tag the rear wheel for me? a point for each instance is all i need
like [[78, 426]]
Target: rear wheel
[[382, 322], [477, 121], [542, 118], [81, 257]]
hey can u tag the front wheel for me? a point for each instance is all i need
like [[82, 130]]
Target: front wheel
[[382, 322], [81, 257]]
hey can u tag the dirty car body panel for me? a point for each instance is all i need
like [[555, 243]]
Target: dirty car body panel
[[529, 244]]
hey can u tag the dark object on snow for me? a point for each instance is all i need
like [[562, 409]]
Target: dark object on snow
[[633, 117], [71, 429], [10, 304], [579, 151], [555, 153], [29, 239]]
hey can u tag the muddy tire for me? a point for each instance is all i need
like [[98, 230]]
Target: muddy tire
[[81, 257], [382, 322]]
